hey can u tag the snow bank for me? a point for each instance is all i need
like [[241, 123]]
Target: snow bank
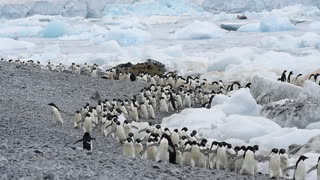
[[198, 30], [287, 42], [128, 36], [11, 44], [269, 23], [315, 26]]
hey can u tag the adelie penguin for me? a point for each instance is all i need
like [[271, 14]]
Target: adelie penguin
[[300, 171], [56, 113], [87, 141], [283, 77]]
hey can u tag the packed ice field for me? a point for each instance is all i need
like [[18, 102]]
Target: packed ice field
[[189, 40]]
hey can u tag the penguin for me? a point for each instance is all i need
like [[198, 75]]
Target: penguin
[[183, 132], [238, 161], [77, 119], [316, 167], [162, 151], [290, 78], [157, 130], [56, 113], [283, 76], [163, 105], [151, 150], [150, 110], [284, 161], [134, 113], [87, 141], [128, 148], [175, 137], [144, 111], [247, 167], [275, 164], [87, 124], [299, 80], [195, 154], [300, 171], [120, 133], [221, 156], [186, 154], [127, 127], [138, 148], [133, 77]]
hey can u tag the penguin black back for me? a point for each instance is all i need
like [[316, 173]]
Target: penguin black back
[[133, 77], [86, 139], [171, 149]]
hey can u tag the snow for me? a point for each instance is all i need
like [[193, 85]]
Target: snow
[[11, 44], [315, 125], [128, 36], [198, 30], [270, 23]]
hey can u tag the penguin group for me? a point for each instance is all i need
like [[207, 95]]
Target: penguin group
[[298, 79], [170, 92]]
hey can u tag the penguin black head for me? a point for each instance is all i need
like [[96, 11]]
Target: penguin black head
[[138, 140], [86, 134], [176, 130], [302, 157], [229, 146], [275, 150], [319, 159], [87, 104], [150, 140], [256, 147], [78, 111], [250, 148], [158, 126], [53, 105], [194, 132], [87, 115], [243, 148], [224, 144], [150, 123], [219, 144], [118, 123], [204, 141], [130, 134], [129, 140], [282, 151], [166, 129], [147, 131], [184, 129], [237, 148], [184, 137]]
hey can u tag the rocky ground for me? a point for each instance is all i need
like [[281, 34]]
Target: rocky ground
[[33, 146]]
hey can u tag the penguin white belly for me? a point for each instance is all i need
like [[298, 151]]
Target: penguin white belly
[[186, 158], [163, 107], [178, 157], [151, 112], [195, 156], [175, 138], [107, 130], [248, 164], [121, 135], [127, 129], [151, 153], [138, 149], [128, 150], [163, 153], [77, 120], [275, 166], [301, 172], [87, 125], [221, 159], [57, 115], [212, 160], [238, 163]]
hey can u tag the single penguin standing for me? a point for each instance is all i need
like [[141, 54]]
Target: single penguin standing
[[87, 141], [128, 148], [283, 77], [300, 171], [56, 113]]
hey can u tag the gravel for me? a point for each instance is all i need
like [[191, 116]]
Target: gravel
[[33, 146]]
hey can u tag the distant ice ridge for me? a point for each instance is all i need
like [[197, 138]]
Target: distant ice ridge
[[7, 44], [99, 8]]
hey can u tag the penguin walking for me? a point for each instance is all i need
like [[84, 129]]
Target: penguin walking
[[195, 154], [87, 141], [128, 148], [275, 164], [316, 167], [221, 157], [162, 151], [87, 124], [163, 105], [300, 171], [138, 147], [247, 167], [284, 161], [56, 113]]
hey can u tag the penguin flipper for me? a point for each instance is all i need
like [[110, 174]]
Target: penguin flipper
[[170, 149], [79, 141], [230, 155], [186, 150], [289, 168], [109, 125], [143, 151], [312, 169], [110, 132], [154, 144], [134, 127], [142, 130], [239, 157], [283, 160]]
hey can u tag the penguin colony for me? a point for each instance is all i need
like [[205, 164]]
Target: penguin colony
[[299, 79], [171, 93]]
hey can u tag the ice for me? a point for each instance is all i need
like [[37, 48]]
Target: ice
[[287, 42], [285, 137], [241, 102], [270, 23], [11, 44], [54, 29], [128, 36], [198, 30], [315, 26], [315, 125]]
